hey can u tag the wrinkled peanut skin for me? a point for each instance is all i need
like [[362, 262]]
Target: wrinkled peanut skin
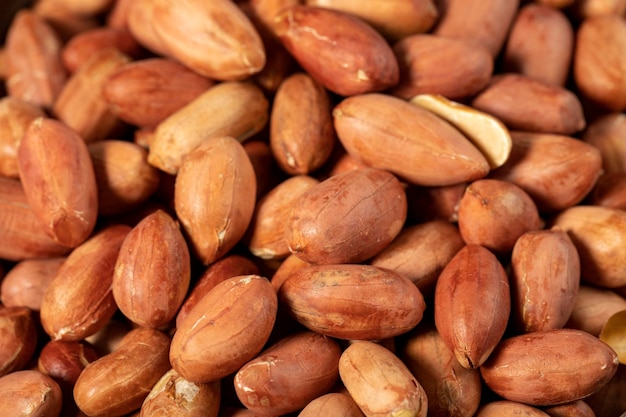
[[30, 393], [54, 162], [289, 374], [549, 367], [352, 301], [347, 218], [306, 31], [227, 328]]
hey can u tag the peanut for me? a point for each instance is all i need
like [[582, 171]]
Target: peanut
[[413, 130]]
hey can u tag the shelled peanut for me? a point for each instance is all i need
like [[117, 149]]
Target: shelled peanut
[[305, 207]]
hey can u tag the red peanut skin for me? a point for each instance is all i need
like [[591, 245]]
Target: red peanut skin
[[338, 50], [117, 384], [347, 218], [30, 390], [54, 163], [353, 301], [472, 304], [227, 328], [227, 267], [544, 279], [152, 271], [79, 300], [289, 374], [445, 156], [550, 367]]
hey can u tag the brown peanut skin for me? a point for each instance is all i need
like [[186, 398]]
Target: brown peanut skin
[[236, 109], [536, 160], [550, 367], [217, 40], [228, 327], [452, 390], [79, 301], [215, 213], [393, 20], [352, 301], [263, 12], [19, 338], [598, 64], [266, 234], [301, 125], [446, 156], [495, 213], [86, 7], [63, 21], [544, 280], [139, 21], [38, 76], [340, 51], [25, 283], [600, 264], [152, 271], [227, 267], [118, 383], [556, 110], [420, 252], [146, 92], [64, 361], [472, 305], [124, 178], [15, 117], [593, 307], [539, 31], [30, 393], [347, 218], [605, 133], [289, 374], [54, 162], [22, 236], [470, 67], [173, 395], [334, 404], [81, 104], [380, 383], [84, 45], [485, 22]]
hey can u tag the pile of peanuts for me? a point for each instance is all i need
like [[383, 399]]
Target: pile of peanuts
[[399, 208]]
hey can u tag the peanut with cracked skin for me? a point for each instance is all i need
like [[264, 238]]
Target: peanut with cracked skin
[[347, 218], [53, 162], [30, 393], [214, 214], [228, 327]]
